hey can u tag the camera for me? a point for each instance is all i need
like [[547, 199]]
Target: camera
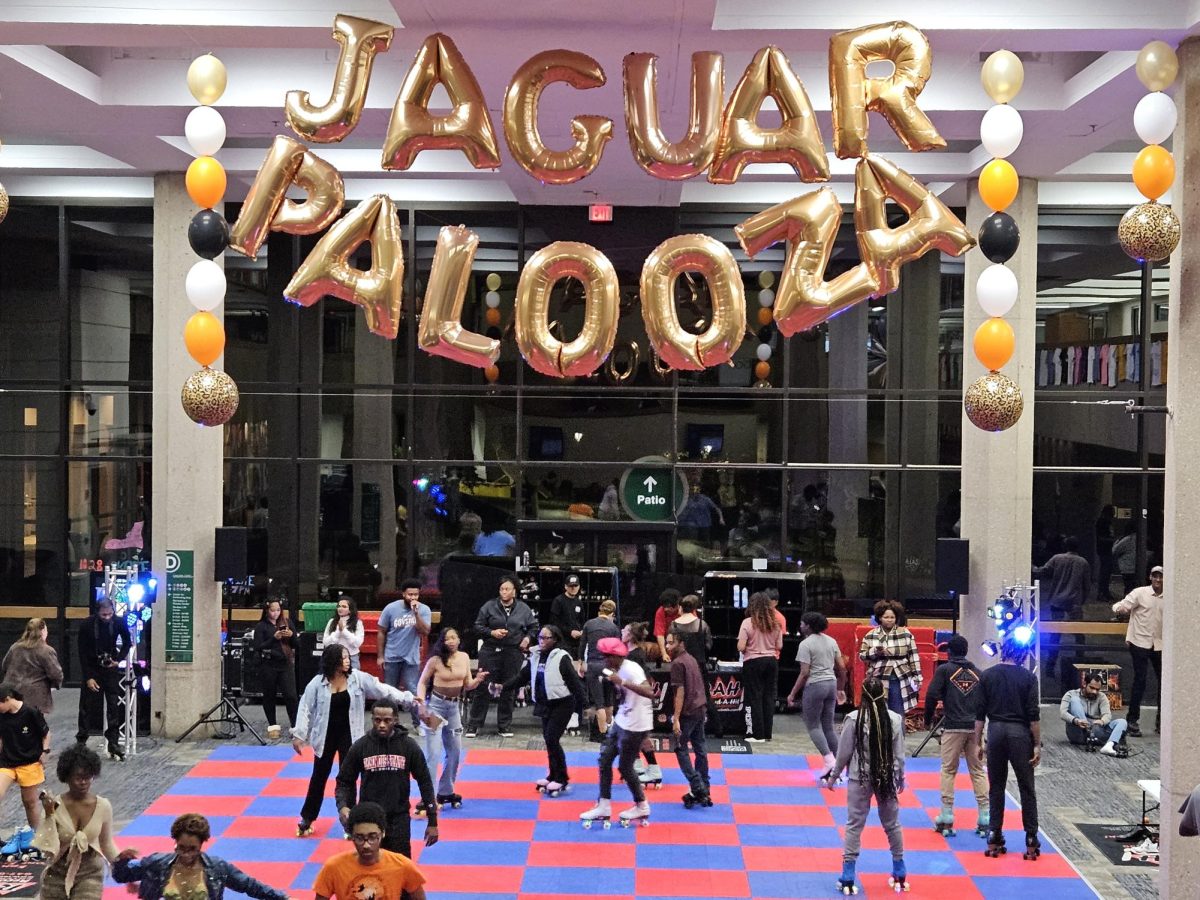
[[106, 661]]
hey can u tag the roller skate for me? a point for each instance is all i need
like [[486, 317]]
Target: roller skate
[[540, 785], [305, 829], [556, 789], [1033, 847], [846, 883], [419, 811], [652, 777], [601, 812], [19, 846], [116, 753], [639, 767], [898, 880], [983, 823], [692, 798], [995, 845], [573, 725], [454, 801], [638, 814], [944, 823]]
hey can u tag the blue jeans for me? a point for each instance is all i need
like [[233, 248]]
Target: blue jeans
[[895, 697], [405, 675], [451, 732], [691, 732], [1113, 731]]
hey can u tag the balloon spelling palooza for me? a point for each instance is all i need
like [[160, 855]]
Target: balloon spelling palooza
[[718, 141]]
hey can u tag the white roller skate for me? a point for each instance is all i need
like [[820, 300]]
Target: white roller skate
[[601, 812], [638, 814], [556, 789], [540, 785], [573, 725], [652, 777]]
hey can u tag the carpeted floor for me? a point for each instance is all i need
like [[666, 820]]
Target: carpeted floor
[[773, 833]]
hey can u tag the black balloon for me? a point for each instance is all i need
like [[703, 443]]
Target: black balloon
[[765, 334], [208, 234], [999, 237], [493, 333]]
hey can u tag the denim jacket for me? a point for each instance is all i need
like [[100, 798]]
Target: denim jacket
[[154, 871], [312, 718]]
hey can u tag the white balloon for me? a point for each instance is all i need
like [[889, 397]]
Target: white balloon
[[1001, 130], [766, 297], [205, 130], [764, 352], [205, 285], [996, 289], [1154, 117], [492, 299]]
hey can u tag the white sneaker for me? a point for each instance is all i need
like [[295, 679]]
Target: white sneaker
[[273, 732], [1108, 749], [754, 740]]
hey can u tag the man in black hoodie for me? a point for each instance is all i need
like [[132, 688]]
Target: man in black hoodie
[[955, 685], [385, 757]]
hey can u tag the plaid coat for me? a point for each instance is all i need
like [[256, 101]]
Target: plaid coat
[[900, 660]]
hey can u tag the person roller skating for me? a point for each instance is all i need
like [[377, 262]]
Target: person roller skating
[[1008, 701], [846, 883], [631, 724], [983, 823], [689, 706], [19, 847], [638, 814], [540, 785], [636, 636], [454, 801], [556, 789], [871, 747], [898, 880], [955, 685], [1033, 847]]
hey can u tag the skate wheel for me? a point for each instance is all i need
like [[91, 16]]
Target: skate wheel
[[607, 824], [645, 823], [457, 806]]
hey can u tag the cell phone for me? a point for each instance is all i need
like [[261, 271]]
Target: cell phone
[[607, 673]]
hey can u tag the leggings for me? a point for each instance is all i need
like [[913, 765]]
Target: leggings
[[554, 724], [337, 740], [278, 676], [817, 704]]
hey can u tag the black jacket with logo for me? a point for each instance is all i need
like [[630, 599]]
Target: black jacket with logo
[[956, 685], [385, 765]]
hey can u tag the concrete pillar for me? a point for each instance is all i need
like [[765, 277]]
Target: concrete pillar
[[1180, 762], [997, 469], [373, 364], [848, 444], [187, 477]]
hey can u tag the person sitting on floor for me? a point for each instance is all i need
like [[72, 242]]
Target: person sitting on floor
[[1087, 713]]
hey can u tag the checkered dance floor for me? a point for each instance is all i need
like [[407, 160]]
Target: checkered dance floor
[[772, 833]]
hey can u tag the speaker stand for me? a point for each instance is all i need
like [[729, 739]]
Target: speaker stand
[[225, 712]]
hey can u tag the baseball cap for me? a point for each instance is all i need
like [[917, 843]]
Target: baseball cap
[[1157, 570], [611, 646], [572, 581]]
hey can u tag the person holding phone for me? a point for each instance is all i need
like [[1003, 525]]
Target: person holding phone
[[275, 642], [346, 629]]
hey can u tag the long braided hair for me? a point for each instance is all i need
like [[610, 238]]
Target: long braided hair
[[873, 740]]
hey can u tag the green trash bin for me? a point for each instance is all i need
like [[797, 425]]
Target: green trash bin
[[316, 615]]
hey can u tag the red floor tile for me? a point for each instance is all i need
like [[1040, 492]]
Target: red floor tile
[[687, 833], [476, 880], [695, 883], [211, 768], [927, 887], [294, 787], [550, 853], [496, 790], [784, 859], [178, 804], [1013, 864], [497, 757], [771, 777], [490, 830], [267, 827], [272, 872]]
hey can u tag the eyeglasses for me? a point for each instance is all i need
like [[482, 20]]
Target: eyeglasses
[[372, 838], [545, 637]]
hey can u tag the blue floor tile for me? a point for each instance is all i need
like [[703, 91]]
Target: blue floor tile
[[160, 826], [792, 796], [918, 862], [797, 836], [261, 849], [574, 832], [569, 881], [307, 877], [1025, 888], [792, 884], [220, 787], [671, 856], [281, 753], [287, 806], [474, 853]]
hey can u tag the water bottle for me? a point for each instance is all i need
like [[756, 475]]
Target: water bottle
[[737, 596]]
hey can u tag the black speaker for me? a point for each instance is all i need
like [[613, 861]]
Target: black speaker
[[231, 557], [952, 571]]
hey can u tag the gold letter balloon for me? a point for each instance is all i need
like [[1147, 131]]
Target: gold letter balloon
[[651, 149], [676, 347], [525, 143], [441, 332], [361, 39], [602, 307]]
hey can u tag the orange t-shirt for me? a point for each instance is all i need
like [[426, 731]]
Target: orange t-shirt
[[344, 877]]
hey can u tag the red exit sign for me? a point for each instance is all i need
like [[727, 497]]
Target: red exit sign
[[600, 212]]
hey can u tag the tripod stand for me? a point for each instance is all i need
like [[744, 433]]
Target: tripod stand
[[935, 732]]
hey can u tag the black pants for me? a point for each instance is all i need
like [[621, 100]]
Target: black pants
[[622, 746], [1011, 744], [760, 684], [502, 664], [1142, 660], [554, 725], [399, 834], [337, 740], [110, 698], [278, 676]]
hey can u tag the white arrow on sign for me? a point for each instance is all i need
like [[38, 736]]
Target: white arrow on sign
[[649, 482]]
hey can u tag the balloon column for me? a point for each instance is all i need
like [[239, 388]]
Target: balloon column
[[209, 396], [766, 329], [993, 402], [3, 203], [1149, 232]]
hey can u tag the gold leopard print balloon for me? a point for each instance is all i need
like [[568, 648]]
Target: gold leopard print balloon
[[210, 397], [993, 402], [1149, 231], [3, 203]]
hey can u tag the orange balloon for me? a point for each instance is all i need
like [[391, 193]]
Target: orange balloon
[[204, 336], [205, 182], [998, 184], [994, 343], [1154, 171], [492, 316], [491, 373], [765, 315], [762, 370]]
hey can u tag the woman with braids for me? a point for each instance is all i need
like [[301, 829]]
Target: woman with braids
[[636, 637], [871, 748], [759, 641]]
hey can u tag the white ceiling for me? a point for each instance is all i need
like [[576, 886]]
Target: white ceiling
[[93, 95]]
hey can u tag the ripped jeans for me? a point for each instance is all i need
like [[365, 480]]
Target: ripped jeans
[[451, 732]]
